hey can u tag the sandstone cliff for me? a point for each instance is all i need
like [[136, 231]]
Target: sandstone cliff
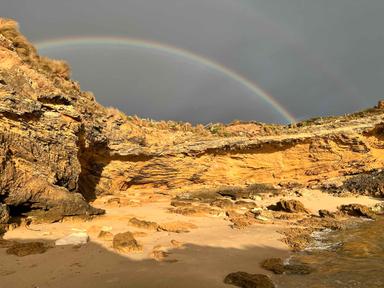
[[60, 149]]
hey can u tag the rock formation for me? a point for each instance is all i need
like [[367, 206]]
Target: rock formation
[[60, 149]]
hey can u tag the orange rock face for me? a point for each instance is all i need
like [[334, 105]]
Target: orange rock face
[[59, 148]]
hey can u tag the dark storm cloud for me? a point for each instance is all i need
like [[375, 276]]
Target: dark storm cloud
[[316, 57]]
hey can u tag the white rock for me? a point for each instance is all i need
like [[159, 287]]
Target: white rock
[[261, 218], [106, 228], [79, 238]]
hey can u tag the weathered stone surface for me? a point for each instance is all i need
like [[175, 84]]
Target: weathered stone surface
[[105, 235], [46, 123], [126, 243], [222, 203], [371, 184], [28, 248], [277, 266], [378, 208], [143, 224], [246, 204], [325, 213], [195, 211], [6, 243], [356, 210], [241, 221], [291, 206], [249, 192], [59, 148], [4, 214], [246, 280], [177, 227]]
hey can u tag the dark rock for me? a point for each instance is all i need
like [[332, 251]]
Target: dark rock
[[250, 192], [325, 213], [28, 248], [298, 269], [291, 206], [356, 210], [6, 243], [275, 265], [246, 280], [125, 243], [234, 193], [371, 184]]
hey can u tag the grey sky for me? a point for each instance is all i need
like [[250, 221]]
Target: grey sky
[[316, 57]]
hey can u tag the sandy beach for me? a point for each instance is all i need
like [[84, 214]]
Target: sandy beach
[[201, 257]]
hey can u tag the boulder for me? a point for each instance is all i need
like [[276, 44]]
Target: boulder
[[28, 248], [356, 210], [246, 280], [126, 243], [277, 266], [291, 206]]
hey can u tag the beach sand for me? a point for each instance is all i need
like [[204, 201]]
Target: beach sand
[[201, 257]]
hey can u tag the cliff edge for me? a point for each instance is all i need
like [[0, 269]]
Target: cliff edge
[[60, 149]]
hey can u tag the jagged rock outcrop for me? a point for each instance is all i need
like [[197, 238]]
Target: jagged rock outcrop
[[60, 149], [46, 124]]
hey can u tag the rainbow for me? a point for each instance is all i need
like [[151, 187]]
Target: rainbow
[[170, 50]]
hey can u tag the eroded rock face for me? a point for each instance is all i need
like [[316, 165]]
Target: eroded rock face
[[46, 124], [371, 184], [4, 214], [60, 149], [357, 210]]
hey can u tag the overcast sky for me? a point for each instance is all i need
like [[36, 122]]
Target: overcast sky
[[315, 57]]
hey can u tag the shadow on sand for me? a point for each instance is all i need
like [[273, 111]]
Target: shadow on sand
[[93, 266]]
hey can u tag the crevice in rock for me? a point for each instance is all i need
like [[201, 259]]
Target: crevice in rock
[[91, 166], [55, 99], [26, 117], [16, 211]]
